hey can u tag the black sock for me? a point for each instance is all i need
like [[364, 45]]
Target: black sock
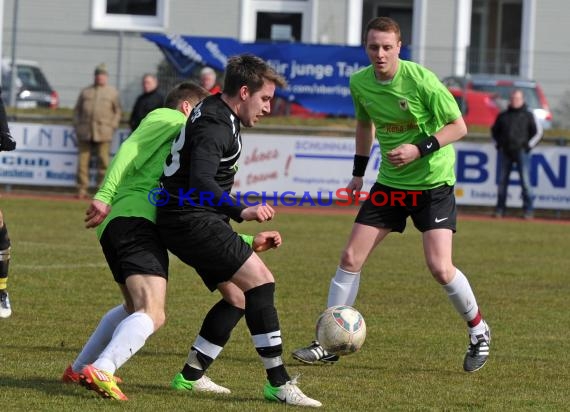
[[263, 322], [216, 329]]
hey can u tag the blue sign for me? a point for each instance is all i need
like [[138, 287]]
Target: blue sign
[[317, 75]]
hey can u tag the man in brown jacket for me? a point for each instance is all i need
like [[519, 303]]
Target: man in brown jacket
[[96, 116]]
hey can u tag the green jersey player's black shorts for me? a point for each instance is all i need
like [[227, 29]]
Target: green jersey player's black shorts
[[387, 207], [205, 241], [132, 246]]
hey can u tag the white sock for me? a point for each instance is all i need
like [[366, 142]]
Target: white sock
[[129, 337], [479, 329], [343, 288], [461, 295], [100, 337]]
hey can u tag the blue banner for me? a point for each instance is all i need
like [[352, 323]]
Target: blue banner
[[317, 75]]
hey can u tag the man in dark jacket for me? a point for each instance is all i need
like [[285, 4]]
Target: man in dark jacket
[[149, 100], [515, 132]]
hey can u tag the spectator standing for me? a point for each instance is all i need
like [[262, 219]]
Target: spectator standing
[[208, 80], [147, 101], [96, 116], [515, 131]]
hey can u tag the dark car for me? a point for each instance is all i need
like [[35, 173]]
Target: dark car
[[478, 108], [502, 86], [32, 87]]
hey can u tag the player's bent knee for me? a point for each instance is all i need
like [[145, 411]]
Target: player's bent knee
[[235, 299], [350, 261], [442, 274]]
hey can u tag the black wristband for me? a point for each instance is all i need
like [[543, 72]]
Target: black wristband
[[427, 146], [360, 163]]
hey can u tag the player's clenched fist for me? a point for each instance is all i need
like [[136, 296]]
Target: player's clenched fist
[[261, 213], [266, 240]]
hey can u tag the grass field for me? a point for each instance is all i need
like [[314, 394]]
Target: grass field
[[412, 359]]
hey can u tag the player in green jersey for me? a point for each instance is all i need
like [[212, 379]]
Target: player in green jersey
[[131, 244], [415, 120]]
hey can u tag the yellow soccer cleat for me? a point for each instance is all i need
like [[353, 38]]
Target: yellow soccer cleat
[[101, 382]]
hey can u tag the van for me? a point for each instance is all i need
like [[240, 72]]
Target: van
[[32, 88]]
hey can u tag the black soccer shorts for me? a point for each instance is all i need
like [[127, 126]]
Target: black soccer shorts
[[387, 207], [206, 242], [132, 246]]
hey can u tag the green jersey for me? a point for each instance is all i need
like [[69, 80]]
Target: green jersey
[[408, 109], [137, 167]]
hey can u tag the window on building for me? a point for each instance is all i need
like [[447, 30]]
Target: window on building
[[129, 15], [276, 20], [279, 26], [496, 29], [132, 7]]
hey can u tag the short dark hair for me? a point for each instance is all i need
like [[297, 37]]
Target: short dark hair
[[251, 71], [189, 91], [385, 24]]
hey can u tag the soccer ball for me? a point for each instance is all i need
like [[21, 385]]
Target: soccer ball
[[341, 330]]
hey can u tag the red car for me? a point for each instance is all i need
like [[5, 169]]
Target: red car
[[502, 86], [280, 107], [479, 109]]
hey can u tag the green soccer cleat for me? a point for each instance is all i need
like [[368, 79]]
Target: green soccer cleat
[[289, 394], [204, 384]]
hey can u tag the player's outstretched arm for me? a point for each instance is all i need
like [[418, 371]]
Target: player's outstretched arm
[[96, 213]]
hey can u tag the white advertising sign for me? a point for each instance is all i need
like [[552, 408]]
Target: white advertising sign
[[45, 155], [322, 165], [478, 176], [283, 167]]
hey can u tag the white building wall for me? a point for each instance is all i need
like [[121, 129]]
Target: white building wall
[[331, 21], [439, 42], [552, 50]]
